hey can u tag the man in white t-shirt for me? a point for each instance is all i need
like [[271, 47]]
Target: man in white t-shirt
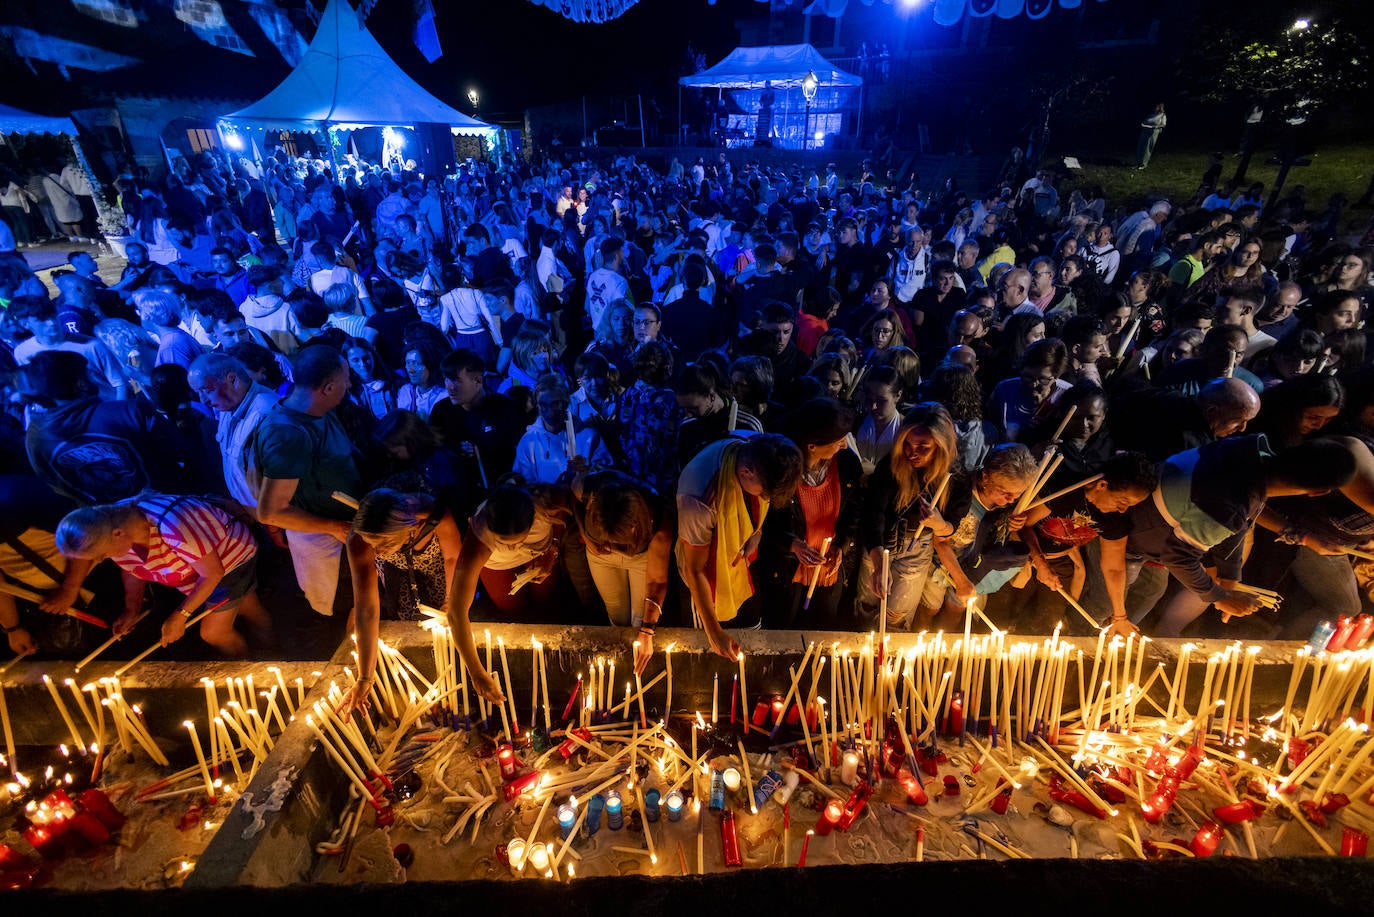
[[607, 283]]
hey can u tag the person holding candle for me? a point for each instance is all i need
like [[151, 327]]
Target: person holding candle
[[542, 453], [805, 541], [1200, 513], [904, 509], [723, 496], [482, 426], [704, 396], [196, 545], [418, 541], [975, 559], [1056, 532], [30, 561], [1309, 539], [628, 529], [514, 537]]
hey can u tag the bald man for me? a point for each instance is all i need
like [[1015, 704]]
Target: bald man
[[1161, 424], [1014, 294]]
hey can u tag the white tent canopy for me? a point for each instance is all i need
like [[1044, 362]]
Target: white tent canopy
[[785, 66], [15, 121], [346, 81]]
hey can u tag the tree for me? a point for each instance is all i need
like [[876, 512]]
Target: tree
[[1297, 73], [1285, 78]]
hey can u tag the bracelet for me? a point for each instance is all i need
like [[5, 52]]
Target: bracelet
[[1291, 534], [187, 613], [648, 630], [1120, 617], [10, 630]]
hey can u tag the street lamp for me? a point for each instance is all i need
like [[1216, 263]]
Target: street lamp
[[809, 86], [472, 97], [1300, 25]]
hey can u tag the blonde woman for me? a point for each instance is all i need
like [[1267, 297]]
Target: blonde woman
[[902, 514]]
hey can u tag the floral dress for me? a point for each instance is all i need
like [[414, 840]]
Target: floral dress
[[650, 418]]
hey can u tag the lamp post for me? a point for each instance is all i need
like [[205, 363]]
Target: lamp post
[[809, 86]]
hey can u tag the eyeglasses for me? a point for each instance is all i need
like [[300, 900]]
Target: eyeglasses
[[645, 322]]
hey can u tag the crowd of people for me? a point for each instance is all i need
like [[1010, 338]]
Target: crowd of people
[[717, 395]]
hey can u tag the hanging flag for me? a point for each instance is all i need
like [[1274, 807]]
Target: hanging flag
[[426, 35], [167, 155]]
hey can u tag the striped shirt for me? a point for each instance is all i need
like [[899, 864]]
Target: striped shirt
[[184, 530]]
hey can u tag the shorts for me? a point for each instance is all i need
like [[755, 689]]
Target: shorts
[[237, 583]]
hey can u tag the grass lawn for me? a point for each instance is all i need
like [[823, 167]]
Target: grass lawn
[[1176, 174]]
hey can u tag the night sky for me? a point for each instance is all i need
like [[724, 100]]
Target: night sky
[[518, 54]]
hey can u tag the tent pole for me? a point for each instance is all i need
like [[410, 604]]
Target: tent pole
[[639, 97], [679, 115]]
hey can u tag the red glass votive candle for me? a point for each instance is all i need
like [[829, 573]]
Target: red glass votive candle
[[91, 829], [1205, 842], [520, 785], [98, 804], [912, 786], [830, 817], [1354, 842], [505, 757]]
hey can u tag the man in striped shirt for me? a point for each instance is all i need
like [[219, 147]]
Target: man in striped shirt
[[189, 543]]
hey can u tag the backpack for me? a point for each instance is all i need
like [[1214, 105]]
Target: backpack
[[95, 468]]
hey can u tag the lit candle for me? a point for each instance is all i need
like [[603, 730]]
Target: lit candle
[[731, 778], [615, 814], [849, 768], [715, 698], [567, 816], [675, 802], [830, 817], [806, 843], [505, 756], [539, 859], [544, 686], [1208, 836], [200, 760], [743, 689], [515, 855], [62, 709], [9, 734]]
